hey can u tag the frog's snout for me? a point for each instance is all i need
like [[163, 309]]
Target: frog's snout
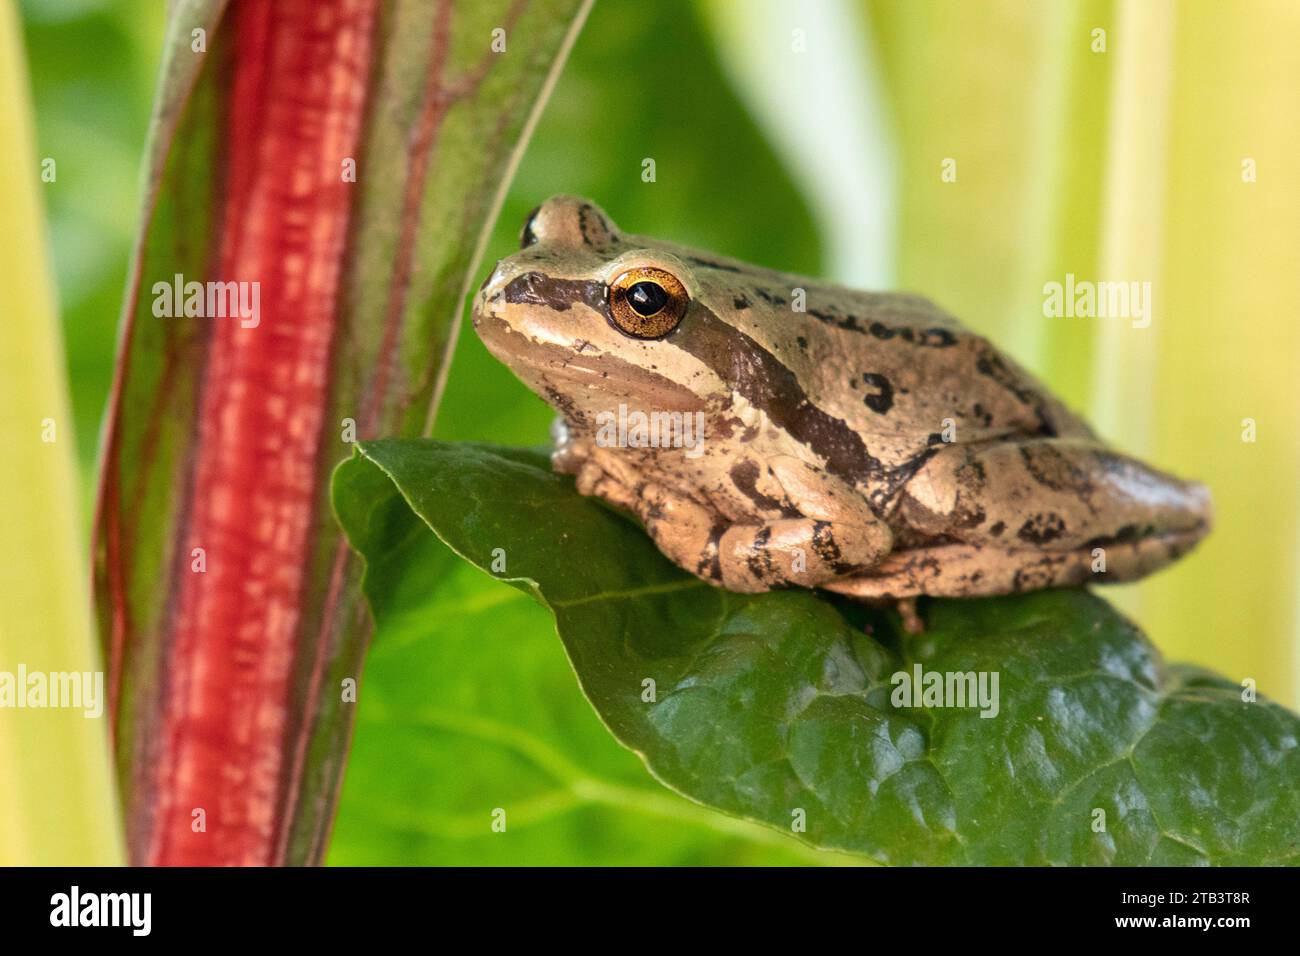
[[487, 280], [488, 309], [491, 315], [493, 290]]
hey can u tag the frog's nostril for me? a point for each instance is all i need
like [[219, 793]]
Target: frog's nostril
[[494, 285]]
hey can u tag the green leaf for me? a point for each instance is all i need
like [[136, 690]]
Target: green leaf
[[467, 705], [771, 704]]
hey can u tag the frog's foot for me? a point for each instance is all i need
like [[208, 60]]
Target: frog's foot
[[593, 480], [977, 570], [599, 472], [758, 556]]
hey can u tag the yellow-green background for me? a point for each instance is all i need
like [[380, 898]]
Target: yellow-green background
[[1117, 165]]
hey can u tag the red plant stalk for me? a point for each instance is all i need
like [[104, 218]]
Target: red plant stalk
[[295, 111], [223, 428]]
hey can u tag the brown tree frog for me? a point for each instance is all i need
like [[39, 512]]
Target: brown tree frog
[[861, 442]]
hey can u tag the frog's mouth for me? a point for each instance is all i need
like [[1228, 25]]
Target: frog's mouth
[[516, 349], [577, 367]]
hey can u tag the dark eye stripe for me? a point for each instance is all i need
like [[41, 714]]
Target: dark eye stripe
[[537, 288], [758, 375]]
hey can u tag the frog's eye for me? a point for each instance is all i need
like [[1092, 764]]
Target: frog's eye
[[527, 236], [647, 303]]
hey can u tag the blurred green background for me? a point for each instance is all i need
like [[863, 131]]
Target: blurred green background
[[811, 137]]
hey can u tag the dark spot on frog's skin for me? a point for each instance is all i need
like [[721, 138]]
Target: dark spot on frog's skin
[[924, 567], [744, 475], [883, 400], [1053, 470], [740, 302], [759, 558], [602, 234], [996, 529], [827, 548], [771, 298], [803, 342], [990, 363], [934, 439], [1041, 528], [1039, 574], [710, 564], [973, 474], [929, 338]]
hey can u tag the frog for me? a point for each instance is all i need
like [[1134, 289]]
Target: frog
[[862, 443]]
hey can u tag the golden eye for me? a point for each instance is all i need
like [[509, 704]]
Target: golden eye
[[647, 303]]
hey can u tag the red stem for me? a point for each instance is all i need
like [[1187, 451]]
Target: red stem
[[295, 113]]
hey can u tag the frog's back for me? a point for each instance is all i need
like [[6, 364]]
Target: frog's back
[[894, 368]]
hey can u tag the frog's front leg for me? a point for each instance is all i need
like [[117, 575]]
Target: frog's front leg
[[761, 554], [598, 471]]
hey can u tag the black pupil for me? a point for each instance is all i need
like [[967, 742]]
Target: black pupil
[[647, 298]]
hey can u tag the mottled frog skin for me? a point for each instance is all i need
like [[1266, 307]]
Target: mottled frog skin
[[867, 444]]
